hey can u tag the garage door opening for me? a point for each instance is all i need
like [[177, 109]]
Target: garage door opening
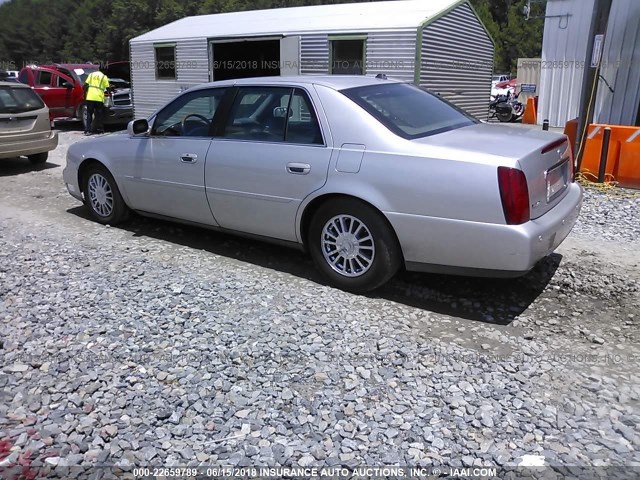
[[254, 58]]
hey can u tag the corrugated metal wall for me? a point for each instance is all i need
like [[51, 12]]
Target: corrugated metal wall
[[392, 53], [529, 72], [620, 66], [457, 60], [192, 68], [314, 54], [564, 48]]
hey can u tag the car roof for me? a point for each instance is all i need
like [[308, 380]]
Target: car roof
[[336, 82], [13, 84]]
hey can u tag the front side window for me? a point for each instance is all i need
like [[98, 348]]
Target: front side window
[[19, 100], [273, 114], [189, 115], [409, 111], [347, 57], [165, 62]]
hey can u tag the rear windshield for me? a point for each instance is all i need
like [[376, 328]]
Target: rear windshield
[[409, 111], [18, 100]]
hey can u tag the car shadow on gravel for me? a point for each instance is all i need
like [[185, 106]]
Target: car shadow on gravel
[[496, 301], [20, 165]]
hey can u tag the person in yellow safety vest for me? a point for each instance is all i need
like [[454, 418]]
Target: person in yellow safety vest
[[95, 86]]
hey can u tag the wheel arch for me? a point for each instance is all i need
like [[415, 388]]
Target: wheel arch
[[84, 167], [312, 207]]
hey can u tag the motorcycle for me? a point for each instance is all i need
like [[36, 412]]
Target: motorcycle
[[506, 108]]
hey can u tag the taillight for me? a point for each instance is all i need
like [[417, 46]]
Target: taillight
[[514, 194]]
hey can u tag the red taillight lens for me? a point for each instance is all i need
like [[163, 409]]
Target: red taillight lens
[[514, 194]]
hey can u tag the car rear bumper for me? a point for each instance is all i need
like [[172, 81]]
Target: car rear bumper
[[473, 248], [29, 147], [117, 115]]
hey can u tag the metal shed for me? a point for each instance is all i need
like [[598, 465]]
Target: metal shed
[[439, 44], [566, 35]]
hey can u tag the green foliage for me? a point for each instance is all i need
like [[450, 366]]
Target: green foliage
[[97, 30], [514, 36]]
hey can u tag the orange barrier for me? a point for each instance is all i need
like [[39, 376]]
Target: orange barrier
[[623, 156], [530, 113], [571, 131]]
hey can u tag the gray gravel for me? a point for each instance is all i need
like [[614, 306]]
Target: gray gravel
[[134, 346], [610, 217]]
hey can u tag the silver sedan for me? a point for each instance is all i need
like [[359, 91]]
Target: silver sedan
[[366, 174]]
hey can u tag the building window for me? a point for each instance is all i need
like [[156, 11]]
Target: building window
[[165, 62], [347, 56]]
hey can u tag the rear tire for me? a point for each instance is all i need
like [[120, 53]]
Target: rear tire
[[353, 245], [102, 196], [38, 158]]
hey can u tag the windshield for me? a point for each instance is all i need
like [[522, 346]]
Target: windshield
[[19, 100], [408, 111]]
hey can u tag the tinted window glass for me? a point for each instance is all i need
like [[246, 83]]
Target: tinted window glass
[[259, 113], [43, 78], [409, 111], [23, 77], [302, 126], [189, 115], [18, 100]]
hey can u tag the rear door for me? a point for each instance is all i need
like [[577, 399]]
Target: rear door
[[270, 157]]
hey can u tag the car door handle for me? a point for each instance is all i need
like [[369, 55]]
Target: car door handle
[[298, 168], [188, 158]]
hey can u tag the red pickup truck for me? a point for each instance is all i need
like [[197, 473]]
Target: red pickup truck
[[61, 88]]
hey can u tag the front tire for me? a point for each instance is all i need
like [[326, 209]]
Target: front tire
[[102, 196], [353, 245], [38, 158]]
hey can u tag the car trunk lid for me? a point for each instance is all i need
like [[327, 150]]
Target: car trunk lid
[[544, 157]]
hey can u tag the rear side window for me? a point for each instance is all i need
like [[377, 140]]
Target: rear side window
[[273, 114], [408, 111], [19, 100]]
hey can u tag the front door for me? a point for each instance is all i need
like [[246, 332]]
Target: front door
[[271, 156], [166, 174], [62, 88]]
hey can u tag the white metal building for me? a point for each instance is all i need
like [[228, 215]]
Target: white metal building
[[439, 44], [564, 47]]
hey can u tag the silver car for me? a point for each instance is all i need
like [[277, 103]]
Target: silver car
[[366, 174], [25, 129]]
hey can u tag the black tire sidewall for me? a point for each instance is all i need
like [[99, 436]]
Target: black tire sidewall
[[387, 258], [120, 210], [38, 158]]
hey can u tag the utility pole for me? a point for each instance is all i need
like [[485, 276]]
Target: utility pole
[[595, 47]]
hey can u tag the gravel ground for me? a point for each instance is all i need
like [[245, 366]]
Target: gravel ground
[[155, 344]]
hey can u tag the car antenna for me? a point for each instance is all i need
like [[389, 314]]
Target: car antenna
[[381, 76]]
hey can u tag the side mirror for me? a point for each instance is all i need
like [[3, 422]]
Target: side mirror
[[138, 127], [67, 85]]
